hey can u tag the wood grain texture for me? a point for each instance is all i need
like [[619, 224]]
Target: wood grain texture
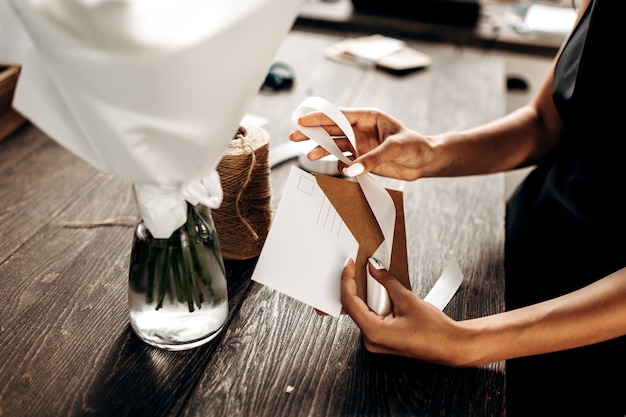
[[67, 348]]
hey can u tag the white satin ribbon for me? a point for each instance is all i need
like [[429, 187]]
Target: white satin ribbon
[[163, 208], [377, 196], [382, 206]]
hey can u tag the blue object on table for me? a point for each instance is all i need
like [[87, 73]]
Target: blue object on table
[[280, 77]]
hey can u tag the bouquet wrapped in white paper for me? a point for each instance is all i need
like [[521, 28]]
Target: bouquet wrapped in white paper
[[153, 91], [150, 90]]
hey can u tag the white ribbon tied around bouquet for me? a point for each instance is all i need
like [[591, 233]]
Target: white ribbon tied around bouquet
[[163, 208], [382, 207], [377, 197]]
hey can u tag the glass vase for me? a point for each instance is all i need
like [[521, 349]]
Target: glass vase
[[177, 292]]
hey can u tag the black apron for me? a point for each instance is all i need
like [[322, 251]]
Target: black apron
[[566, 222]]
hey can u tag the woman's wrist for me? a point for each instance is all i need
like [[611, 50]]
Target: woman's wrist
[[450, 155], [472, 346]]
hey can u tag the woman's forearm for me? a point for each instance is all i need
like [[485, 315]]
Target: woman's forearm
[[590, 315], [516, 140], [513, 141]]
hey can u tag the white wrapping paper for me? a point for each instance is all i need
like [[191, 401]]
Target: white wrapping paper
[[14, 40], [150, 90]]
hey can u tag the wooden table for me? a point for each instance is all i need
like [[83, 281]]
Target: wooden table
[[67, 348]]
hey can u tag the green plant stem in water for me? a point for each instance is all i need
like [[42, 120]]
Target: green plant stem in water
[[176, 267]]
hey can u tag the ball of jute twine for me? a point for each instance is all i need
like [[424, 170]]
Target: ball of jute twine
[[243, 219]]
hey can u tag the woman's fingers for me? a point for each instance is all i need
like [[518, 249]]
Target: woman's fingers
[[344, 145], [374, 328], [396, 291], [351, 302]]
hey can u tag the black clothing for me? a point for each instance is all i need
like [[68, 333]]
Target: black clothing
[[566, 222]]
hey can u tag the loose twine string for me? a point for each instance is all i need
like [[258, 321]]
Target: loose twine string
[[243, 219]]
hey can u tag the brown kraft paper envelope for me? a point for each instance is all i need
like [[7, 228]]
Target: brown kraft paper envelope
[[350, 202]]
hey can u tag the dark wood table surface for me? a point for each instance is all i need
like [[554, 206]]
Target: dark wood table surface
[[66, 347]]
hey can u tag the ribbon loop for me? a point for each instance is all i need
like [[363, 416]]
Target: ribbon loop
[[379, 200]]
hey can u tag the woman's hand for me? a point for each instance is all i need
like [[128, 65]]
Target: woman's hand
[[414, 328], [383, 144]]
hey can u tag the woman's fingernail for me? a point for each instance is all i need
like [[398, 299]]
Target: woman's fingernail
[[376, 263], [353, 170]]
